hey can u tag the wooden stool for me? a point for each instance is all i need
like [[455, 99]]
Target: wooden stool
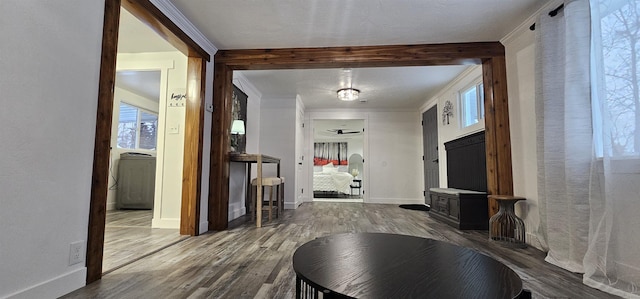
[[271, 182], [505, 227], [281, 200]]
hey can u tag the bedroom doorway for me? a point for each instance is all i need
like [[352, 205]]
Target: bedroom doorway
[[338, 163]]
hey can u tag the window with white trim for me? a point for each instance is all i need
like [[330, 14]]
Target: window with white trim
[[471, 103], [137, 128]]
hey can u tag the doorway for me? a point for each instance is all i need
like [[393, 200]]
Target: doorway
[[430, 151], [338, 168], [491, 55], [143, 200], [192, 99]]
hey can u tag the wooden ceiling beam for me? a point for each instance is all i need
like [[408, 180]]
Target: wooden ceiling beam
[[365, 56], [490, 55]]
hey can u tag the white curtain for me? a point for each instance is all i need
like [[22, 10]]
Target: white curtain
[[565, 150], [612, 261], [588, 126]]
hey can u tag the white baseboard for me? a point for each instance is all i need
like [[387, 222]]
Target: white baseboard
[[395, 201], [204, 227], [237, 212], [55, 287], [532, 240], [173, 223], [352, 200], [292, 205]]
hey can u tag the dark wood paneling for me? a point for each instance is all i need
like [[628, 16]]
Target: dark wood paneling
[[368, 56], [102, 146], [161, 24], [466, 163], [193, 141], [220, 142]]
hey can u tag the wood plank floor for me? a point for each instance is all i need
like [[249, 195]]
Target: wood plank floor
[[128, 236], [249, 262]]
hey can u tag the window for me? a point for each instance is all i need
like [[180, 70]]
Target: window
[[132, 136], [616, 45], [472, 105]]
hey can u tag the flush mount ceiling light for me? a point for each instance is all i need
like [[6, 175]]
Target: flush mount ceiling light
[[348, 94]]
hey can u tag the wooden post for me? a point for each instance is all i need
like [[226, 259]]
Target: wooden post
[[497, 136]]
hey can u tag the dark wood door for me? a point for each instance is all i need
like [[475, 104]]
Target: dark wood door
[[430, 150]]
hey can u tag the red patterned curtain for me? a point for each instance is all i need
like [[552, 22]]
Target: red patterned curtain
[[330, 152]]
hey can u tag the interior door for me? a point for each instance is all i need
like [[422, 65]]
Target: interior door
[[430, 151], [299, 143]]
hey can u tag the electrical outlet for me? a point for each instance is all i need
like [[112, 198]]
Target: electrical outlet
[[76, 252]]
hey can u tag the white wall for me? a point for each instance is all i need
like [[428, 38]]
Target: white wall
[[277, 139], [237, 171], [394, 161], [49, 76], [49, 71], [520, 58]]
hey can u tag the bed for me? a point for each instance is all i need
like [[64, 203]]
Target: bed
[[329, 178]]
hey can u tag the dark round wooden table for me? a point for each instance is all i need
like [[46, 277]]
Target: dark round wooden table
[[377, 265]]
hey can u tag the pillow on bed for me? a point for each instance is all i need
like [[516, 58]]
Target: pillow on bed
[[343, 168], [329, 168], [317, 168]]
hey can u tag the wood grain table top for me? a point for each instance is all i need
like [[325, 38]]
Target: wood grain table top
[[376, 265], [252, 158]]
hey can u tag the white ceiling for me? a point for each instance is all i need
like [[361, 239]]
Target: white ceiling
[[142, 83], [251, 24], [136, 37]]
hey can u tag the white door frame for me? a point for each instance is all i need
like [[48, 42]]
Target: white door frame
[[310, 117]]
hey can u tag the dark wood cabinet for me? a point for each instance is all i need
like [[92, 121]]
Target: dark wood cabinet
[[462, 209]]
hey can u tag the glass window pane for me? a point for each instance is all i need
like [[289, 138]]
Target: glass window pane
[[127, 126], [620, 40], [470, 107], [148, 130]]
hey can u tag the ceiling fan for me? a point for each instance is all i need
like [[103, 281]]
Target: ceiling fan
[[343, 131]]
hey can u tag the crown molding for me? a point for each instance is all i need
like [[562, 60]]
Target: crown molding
[[167, 8], [524, 26], [246, 84]]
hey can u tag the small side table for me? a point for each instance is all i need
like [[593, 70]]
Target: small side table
[[357, 184], [505, 227]]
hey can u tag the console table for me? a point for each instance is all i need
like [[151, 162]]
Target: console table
[[259, 159], [462, 209], [376, 265]]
